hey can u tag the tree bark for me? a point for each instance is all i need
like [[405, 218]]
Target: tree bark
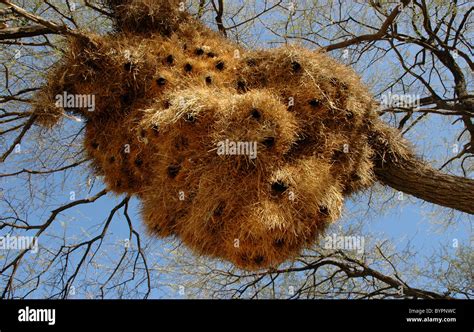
[[26, 31], [414, 177]]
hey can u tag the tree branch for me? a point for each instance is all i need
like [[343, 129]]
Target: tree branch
[[41, 229], [219, 14], [60, 29], [414, 177], [17, 140], [370, 37], [24, 32]]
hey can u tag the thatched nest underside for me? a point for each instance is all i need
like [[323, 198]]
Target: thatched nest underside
[[243, 155]]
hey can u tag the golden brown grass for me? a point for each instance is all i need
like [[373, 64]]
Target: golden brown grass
[[168, 90]]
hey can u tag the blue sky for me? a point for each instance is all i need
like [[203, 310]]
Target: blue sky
[[408, 221]]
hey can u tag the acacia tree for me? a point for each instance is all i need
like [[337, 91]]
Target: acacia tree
[[426, 45]]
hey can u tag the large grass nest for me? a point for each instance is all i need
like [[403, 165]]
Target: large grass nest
[[298, 129]]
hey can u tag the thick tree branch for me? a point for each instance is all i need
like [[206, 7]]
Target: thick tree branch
[[395, 165], [418, 179], [352, 268], [60, 29], [24, 32], [219, 8]]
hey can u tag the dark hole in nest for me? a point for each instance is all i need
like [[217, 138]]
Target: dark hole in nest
[[161, 81], [156, 129], [138, 162], [304, 139], [143, 133], [314, 103], [279, 243], [251, 62], [256, 114], [188, 67], [324, 210], [269, 142], [338, 155], [118, 184], [128, 66], [95, 145], [126, 98], [296, 66], [355, 177], [173, 170], [166, 103], [219, 210], [166, 31], [241, 86], [199, 51], [278, 188], [258, 259], [211, 55], [208, 79], [349, 115], [92, 64], [170, 59], [301, 146], [111, 159], [244, 258], [191, 118], [220, 65]]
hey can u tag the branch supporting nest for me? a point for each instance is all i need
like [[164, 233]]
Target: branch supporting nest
[[417, 178]]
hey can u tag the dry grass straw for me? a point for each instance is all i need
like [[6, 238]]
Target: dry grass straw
[[168, 91]]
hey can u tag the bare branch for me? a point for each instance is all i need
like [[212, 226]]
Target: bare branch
[[380, 34]]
